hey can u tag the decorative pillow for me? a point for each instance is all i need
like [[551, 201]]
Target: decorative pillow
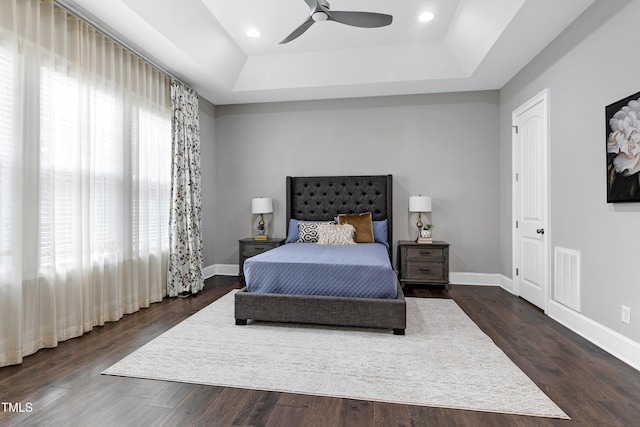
[[362, 223], [380, 232], [334, 234], [293, 235], [308, 231]]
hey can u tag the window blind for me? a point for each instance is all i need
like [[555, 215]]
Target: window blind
[[7, 138]]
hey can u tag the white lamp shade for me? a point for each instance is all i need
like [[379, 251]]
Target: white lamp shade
[[419, 204], [262, 205]]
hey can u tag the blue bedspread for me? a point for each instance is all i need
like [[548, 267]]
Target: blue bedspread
[[361, 270]]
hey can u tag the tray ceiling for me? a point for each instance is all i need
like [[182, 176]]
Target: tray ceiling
[[470, 45]]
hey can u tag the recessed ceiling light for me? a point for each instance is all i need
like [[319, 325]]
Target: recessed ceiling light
[[252, 32], [426, 17]]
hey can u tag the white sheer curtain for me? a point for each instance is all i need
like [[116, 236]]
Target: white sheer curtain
[[85, 171]]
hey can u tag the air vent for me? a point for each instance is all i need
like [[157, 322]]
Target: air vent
[[566, 289]]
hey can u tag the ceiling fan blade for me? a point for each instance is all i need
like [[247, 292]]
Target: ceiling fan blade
[[360, 19], [298, 31], [313, 4]]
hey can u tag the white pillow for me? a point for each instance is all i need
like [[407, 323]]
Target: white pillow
[[333, 234]]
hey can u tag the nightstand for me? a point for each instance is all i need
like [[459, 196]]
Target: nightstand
[[250, 247], [423, 263]]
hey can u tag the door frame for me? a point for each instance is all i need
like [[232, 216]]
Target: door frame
[[544, 98]]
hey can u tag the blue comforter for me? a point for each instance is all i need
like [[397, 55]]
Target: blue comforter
[[361, 270]]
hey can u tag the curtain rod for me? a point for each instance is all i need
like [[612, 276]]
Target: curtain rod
[[117, 38]]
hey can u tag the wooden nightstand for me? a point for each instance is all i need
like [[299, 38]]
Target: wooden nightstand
[[250, 247], [423, 263]]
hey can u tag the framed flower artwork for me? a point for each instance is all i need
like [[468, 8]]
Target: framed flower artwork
[[623, 150]]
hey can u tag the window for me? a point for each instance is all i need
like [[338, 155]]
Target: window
[[85, 150], [59, 167], [7, 136], [155, 177], [73, 173], [88, 161]]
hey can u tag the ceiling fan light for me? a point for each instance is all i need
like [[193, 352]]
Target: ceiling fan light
[[426, 17], [319, 16]]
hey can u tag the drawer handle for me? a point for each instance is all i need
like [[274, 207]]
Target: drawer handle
[[425, 253], [425, 269]]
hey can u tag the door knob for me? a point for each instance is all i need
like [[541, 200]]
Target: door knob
[[540, 231]]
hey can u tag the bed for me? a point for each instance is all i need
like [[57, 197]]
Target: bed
[[323, 199]]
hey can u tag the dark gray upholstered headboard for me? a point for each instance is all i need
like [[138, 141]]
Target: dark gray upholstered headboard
[[321, 198]]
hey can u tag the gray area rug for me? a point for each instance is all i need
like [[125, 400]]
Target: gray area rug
[[444, 360]]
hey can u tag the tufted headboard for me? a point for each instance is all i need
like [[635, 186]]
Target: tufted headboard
[[322, 198]]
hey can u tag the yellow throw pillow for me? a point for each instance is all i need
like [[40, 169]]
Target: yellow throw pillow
[[363, 224]]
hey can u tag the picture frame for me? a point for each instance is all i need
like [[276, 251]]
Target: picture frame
[[622, 121]]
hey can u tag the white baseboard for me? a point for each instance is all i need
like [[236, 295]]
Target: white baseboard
[[609, 340], [482, 279], [478, 279], [209, 271], [220, 270], [507, 284]]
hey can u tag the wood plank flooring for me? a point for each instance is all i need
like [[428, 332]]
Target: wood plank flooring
[[63, 386]]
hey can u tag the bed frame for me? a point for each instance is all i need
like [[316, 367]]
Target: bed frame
[[322, 199]]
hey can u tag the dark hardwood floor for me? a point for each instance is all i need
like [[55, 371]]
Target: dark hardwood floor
[[63, 386]]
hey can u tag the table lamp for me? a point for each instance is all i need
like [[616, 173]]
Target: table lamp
[[261, 206], [421, 204]]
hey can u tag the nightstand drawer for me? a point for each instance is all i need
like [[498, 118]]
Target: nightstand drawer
[[424, 270], [424, 252], [251, 250]]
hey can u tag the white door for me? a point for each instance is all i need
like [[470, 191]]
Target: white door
[[530, 201]]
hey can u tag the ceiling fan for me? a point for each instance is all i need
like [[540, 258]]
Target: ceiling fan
[[319, 12]]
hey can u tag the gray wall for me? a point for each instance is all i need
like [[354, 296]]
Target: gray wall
[[594, 63], [457, 149], [443, 145], [207, 151]]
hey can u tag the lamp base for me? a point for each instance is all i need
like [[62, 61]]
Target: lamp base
[[424, 240], [260, 237]]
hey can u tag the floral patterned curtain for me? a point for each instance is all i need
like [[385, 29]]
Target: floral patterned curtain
[[185, 233]]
